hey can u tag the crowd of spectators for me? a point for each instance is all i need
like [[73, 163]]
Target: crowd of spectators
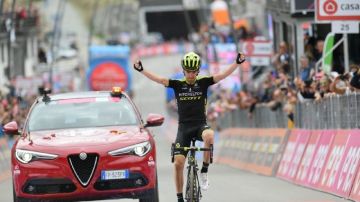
[[13, 107], [281, 90]]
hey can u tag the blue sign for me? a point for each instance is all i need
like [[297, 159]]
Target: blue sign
[[109, 66]]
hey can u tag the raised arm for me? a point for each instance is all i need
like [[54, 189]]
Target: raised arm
[[239, 59], [139, 67]]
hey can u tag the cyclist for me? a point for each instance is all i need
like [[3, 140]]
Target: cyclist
[[191, 97]]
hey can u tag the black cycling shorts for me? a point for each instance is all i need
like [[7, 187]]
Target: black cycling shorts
[[186, 132]]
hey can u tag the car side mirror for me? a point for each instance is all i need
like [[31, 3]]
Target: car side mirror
[[11, 128], [154, 120]]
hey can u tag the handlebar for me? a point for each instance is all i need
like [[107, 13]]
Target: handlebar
[[173, 149], [192, 149]]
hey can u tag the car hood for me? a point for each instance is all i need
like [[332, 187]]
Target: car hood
[[85, 137]]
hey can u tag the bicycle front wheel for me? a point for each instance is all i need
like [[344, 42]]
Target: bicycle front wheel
[[192, 186]]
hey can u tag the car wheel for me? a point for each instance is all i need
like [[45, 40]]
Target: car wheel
[[154, 196]]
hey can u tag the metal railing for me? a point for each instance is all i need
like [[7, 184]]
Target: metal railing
[[334, 112], [263, 117]]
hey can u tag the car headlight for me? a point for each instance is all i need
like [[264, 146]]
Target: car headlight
[[26, 156], [140, 149]]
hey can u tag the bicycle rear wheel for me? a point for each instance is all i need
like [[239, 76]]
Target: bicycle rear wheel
[[192, 186]]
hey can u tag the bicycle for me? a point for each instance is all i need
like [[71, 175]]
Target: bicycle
[[193, 190]]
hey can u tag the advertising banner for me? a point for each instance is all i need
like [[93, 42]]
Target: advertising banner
[[321, 155], [255, 150], [162, 49], [299, 152], [355, 192], [265, 157], [341, 168], [109, 66], [330, 10], [236, 146], [288, 155], [332, 165], [308, 157], [257, 48]]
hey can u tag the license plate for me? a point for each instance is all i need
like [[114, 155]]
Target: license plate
[[114, 174]]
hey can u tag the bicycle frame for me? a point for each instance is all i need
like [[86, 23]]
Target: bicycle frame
[[193, 190]]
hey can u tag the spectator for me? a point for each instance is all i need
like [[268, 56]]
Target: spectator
[[355, 80], [244, 100], [289, 107], [42, 55], [267, 91], [243, 34], [340, 84], [281, 57], [21, 15], [324, 88], [5, 112], [277, 100], [285, 68], [306, 89], [309, 53], [306, 71], [318, 51]]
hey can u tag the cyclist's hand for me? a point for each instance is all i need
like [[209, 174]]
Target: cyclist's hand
[[138, 66], [240, 58]]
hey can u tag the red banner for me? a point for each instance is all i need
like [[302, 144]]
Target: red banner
[[293, 154], [300, 149], [320, 158], [342, 166], [349, 166], [308, 158], [288, 154], [355, 192], [327, 160], [332, 165]]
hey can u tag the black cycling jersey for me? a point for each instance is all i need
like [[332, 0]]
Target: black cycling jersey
[[191, 99]]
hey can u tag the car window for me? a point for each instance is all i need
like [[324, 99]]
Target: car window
[[82, 113]]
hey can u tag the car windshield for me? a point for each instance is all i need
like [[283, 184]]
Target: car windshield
[[82, 113]]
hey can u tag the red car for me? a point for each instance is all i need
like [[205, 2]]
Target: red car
[[84, 146]]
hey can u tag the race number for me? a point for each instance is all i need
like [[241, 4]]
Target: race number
[[345, 27]]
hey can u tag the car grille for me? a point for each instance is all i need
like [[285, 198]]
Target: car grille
[[83, 169], [135, 180], [48, 186]]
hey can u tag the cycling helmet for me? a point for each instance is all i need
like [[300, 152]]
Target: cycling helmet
[[191, 62]]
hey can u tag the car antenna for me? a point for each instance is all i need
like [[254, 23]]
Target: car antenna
[[46, 93]]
